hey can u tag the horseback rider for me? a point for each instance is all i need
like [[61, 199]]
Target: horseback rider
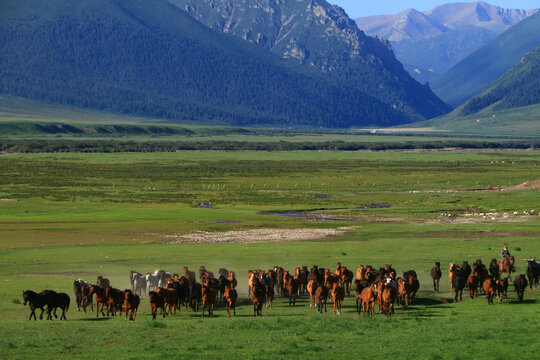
[[505, 255]]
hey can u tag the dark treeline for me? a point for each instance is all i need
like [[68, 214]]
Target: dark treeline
[[114, 67], [110, 146]]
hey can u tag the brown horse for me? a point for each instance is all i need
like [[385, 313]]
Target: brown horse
[[347, 278], [338, 293], [156, 302], [208, 296], [502, 289], [131, 304], [451, 275], [489, 286], [170, 297], [412, 279], [101, 298], [472, 283], [232, 279], [369, 295], [520, 284], [388, 298], [403, 292], [330, 279], [321, 296], [312, 289], [508, 267], [291, 285], [358, 287], [115, 298], [103, 282], [230, 295], [360, 272], [258, 296]]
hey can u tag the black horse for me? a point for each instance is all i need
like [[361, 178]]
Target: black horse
[[196, 296], [37, 301], [520, 284], [459, 280], [436, 275], [466, 268], [533, 272], [58, 300], [494, 269]]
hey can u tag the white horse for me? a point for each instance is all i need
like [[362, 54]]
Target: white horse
[[163, 276], [152, 280], [138, 283]]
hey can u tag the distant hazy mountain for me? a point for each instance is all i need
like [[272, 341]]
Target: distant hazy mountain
[[320, 36], [407, 24], [519, 86], [430, 43], [148, 57], [478, 70], [509, 105]]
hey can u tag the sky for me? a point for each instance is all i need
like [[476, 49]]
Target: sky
[[360, 8]]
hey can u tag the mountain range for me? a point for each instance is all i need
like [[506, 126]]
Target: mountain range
[[151, 58], [320, 36], [429, 43], [478, 70]]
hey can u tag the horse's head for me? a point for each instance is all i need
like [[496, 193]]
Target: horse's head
[[25, 297]]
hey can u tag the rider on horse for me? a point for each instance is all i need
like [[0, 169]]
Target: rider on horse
[[505, 256]]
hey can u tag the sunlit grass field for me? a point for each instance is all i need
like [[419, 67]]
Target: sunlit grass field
[[70, 216]]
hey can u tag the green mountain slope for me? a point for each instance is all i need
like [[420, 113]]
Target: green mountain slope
[[150, 58], [519, 86], [475, 72], [509, 105], [320, 36], [522, 121]]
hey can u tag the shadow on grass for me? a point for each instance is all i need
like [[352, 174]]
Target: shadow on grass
[[525, 301], [95, 319]]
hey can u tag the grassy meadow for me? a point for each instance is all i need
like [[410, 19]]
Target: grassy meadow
[[70, 216]]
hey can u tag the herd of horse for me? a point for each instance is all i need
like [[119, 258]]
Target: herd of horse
[[489, 280], [168, 292]]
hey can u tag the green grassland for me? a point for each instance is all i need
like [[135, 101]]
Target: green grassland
[[70, 216], [512, 122]]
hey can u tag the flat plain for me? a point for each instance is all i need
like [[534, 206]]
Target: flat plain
[[70, 216]]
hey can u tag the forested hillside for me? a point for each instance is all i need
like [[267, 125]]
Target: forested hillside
[[321, 36], [520, 86], [150, 58]]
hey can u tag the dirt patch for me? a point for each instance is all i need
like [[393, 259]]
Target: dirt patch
[[254, 235], [526, 186]]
